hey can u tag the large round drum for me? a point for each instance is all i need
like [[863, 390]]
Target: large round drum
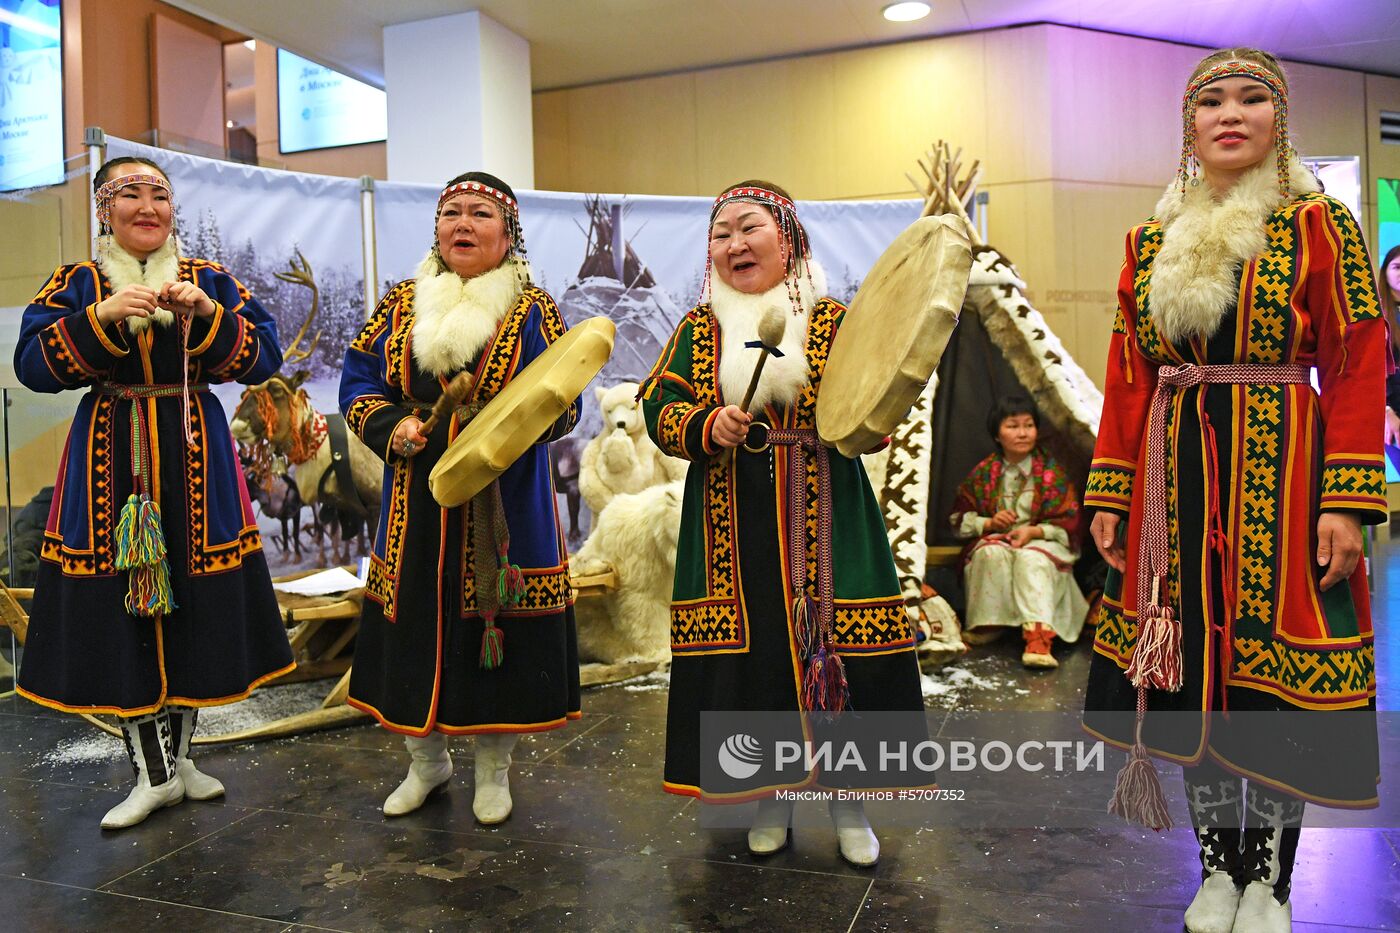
[[521, 412], [893, 335]]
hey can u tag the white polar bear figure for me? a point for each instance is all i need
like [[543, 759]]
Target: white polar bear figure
[[636, 536], [622, 458]]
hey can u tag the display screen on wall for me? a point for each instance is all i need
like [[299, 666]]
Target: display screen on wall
[[31, 94], [1388, 215], [318, 108]]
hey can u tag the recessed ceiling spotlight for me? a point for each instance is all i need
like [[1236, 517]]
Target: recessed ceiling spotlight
[[906, 12], [250, 44]]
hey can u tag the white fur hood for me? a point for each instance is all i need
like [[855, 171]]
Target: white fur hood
[[1205, 243], [453, 317], [123, 269], [738, 314]]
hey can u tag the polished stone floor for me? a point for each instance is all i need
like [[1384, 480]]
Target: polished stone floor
[[299, 842]]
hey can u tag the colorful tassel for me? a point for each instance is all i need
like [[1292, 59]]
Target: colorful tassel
[[141, 552], [824, 685], [813, 680], [510, 584], [148, 591], [1157, 656], [1137, 794], [493, 648], [836, 692], [804, 624]]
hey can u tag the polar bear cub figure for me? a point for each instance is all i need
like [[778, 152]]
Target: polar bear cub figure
[[636, 536], [622, 458]]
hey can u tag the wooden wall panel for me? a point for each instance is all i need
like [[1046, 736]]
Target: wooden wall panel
[[755, 122], [636, 137], [187, 81], [1115, 106], [551, 132], [1078, 133]]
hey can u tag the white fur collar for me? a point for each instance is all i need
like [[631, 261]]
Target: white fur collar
[[738, 315], [453, 317], [123, 269], [1205, 243]]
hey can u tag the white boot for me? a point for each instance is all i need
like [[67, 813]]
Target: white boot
[[770, 830], [158, 784], [1213, 908], [198, 785], [1260, 912], [853, 833], [429, 770], [492, 803], [1272, 824]]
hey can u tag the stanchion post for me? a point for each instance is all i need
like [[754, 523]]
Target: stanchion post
[[95, 140], [370, 252]]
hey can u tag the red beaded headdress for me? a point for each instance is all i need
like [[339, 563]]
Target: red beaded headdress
[[476, 187], [1188, 166], [109, 189], [795, 247], [510, 213]]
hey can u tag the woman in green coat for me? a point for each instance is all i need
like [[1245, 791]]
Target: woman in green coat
[[752, 629]]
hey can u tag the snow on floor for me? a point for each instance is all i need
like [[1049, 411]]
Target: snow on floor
[[945, 687], [265, 705]]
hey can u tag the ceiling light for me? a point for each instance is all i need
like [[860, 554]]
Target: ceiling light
[[250, 44], [230, 124], [905, 12]]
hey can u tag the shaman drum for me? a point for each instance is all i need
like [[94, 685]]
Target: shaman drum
[[521, 413], [893, 336]]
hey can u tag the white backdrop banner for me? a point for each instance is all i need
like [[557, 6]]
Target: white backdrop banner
[[638, 259]]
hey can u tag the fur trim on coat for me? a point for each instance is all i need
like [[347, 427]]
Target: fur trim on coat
[[123, 269], [738, 315], [1206, 242], [453, 317]]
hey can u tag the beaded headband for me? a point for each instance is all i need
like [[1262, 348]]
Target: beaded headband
[[108, 190], [756, 195], [510, 214], [1189, 165], [791, 233], [476, 187]]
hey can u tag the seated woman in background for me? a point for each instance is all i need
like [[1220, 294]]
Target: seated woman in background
[[1020, 512]]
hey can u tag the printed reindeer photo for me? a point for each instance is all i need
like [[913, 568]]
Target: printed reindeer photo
[[295, 456]]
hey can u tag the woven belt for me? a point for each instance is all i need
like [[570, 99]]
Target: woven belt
[[160, 390], [140, 539], [1153, 558], [1157, 661], [824, 685]]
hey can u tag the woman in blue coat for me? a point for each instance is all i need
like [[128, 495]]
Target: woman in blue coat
[[153, 597]]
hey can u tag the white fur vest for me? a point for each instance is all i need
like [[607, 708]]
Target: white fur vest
[[453, 317], [738, 315], [123, 269], [1206, 242]]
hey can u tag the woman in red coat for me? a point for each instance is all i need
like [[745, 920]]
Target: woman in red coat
[[1238, 585]]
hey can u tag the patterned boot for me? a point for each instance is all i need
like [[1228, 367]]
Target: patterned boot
[[198, 785], [1272, 825], [1215, 798], [430, 769], [158, 784], [492, 803]]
